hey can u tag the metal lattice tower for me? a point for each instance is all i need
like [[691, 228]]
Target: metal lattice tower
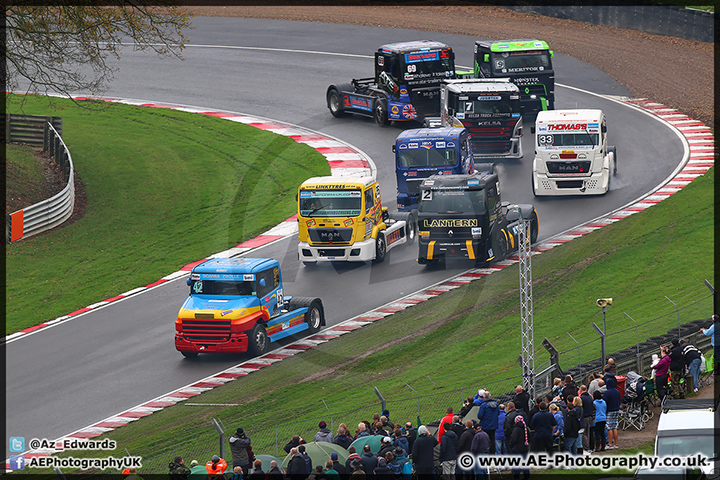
[[526, 308]]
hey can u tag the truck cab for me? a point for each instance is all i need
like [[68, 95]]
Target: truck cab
[[528, 64], [405, 87], [462, 216], [422, 152], [238, 305], [572, 155], [488, 108], [342, 219]]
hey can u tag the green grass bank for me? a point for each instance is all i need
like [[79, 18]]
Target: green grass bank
[[164, 188]]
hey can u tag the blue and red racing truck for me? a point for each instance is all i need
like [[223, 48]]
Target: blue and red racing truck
[[406, 85], [422, 152], [238, 305]]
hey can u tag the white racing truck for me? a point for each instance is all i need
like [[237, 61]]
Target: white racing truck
[[572, 156]]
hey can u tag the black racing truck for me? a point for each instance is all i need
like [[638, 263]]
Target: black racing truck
[[406, 86], [461, 216], [528, 64]]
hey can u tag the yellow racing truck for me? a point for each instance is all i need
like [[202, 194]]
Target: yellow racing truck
[[341, 219]]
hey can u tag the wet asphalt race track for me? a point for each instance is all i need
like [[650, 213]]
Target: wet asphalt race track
[[108, 360]]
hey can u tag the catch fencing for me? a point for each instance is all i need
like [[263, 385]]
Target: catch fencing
[[57, 209], [670, 20]]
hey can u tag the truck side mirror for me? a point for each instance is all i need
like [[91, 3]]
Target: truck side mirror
[[604, 128], [532, 130], [552, 54], [188, 281], [261, 282], [393, 148], [486, 58]]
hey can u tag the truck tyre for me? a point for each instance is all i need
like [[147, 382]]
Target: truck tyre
[[501, 245], [189, 354], [258, 340], [410, 229], [380, 112], [534, 227], [380, 248], [611, 149], [315, 316], [334, 103]]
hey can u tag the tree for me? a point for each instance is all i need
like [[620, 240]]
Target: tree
[[65, 47]]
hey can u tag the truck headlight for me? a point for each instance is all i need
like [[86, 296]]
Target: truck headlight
[[424, 233]]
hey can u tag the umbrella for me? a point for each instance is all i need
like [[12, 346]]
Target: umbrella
[[266, 459], [373, 440], [320, 452]]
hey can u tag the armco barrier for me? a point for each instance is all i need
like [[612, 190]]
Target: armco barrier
[[29, 129], [51, 212]]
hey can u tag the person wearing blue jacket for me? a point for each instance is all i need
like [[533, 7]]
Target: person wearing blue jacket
[[600, 417], [488, 417], [500, 446], [612, 399]]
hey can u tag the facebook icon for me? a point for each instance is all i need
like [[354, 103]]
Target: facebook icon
[[17, 462]]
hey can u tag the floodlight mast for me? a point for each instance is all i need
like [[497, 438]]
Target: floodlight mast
[[527, 336]]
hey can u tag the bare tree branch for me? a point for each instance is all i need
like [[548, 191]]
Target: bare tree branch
[[65, 47]]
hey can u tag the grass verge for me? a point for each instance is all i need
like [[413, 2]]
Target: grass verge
[[164, 188]]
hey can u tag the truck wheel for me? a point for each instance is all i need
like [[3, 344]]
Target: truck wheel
[[380, 248], [411, 229], [612, 150], [315, 316], [380, 112], [501, 245], [334, 103], [189, 354], [534, 227], [258, 340]]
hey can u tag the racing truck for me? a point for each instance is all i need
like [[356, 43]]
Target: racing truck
[[422, 152], [462, 216], [489, 109], [572, 156], [238, 305], [406, 86], [342, 219], [528, 64]]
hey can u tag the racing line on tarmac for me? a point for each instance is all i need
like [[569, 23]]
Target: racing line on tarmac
[[345, 159]]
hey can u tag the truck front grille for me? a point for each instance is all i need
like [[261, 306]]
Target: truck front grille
[[582, 168], [210, 331], [335, 235]]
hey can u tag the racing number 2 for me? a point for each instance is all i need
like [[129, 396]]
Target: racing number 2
[[427, 195]]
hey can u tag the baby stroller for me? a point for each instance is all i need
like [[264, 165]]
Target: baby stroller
[[634, 410]]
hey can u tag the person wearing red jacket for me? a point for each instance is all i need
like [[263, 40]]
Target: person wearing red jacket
[[447, 418], [215, 467]]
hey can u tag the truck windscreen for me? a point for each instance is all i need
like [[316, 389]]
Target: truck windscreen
[[432, 157], [486, 106], [568, 140], [452, 201], [330, 203], [520, 62], [216, 287], [432, 64]]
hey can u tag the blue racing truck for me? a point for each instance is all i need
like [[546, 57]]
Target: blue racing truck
[[406, 85], [422, 152]]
